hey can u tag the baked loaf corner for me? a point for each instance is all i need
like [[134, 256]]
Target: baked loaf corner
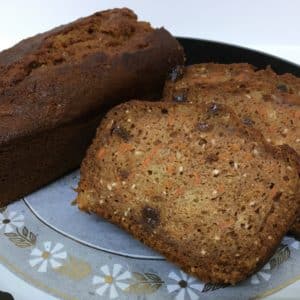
[[55, 86]]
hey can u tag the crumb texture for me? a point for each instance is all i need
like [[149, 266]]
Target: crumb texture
[[194, 183], [262, 99]]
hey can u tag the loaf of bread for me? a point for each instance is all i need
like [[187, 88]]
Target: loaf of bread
[[55, 86], [262, 99], [194, 183]]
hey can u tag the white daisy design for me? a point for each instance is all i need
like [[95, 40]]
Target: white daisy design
[[54, 256], [111, 280], [185, 286], [291, 242], [263, 275], [10, 220]]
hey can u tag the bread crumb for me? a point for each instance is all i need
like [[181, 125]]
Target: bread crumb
[[285, 131], [133, 186], [217, 238], [113, 184], [123, 182], [213, 142], [203, 252], [289, 168], [215, 192], [127, 111], [138, 153], [255, 151], [248, 96], [101, 201], [297, 140], [245, 175], [180, 169], [128, 120], [235, 165], [270, 237], [109, 187], [252, 203], [268, 140]]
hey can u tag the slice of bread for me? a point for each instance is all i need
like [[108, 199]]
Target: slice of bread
[[262, 99], [194, 183]]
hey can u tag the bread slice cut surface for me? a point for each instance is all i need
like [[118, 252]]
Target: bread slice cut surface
[[194, 183]]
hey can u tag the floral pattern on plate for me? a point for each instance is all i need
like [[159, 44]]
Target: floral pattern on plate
[[49, 255], [184, 286], [111, 280], [9, 221]]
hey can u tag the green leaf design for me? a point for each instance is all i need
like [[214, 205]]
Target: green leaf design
[[3, 209], [146, 283], [22, 239], [208, 287], [281, 255], [74, 268]]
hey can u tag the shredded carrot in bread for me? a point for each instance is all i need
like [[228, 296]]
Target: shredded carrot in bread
[[101, 153], [124, 147], [221, 188], [225, 224], [170, 169], [179, 192], [150, 157], [196, 178], [168, 184]]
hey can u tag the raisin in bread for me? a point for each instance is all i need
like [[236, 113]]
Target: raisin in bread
[[262, 99], [55, 86], [194, 183]]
